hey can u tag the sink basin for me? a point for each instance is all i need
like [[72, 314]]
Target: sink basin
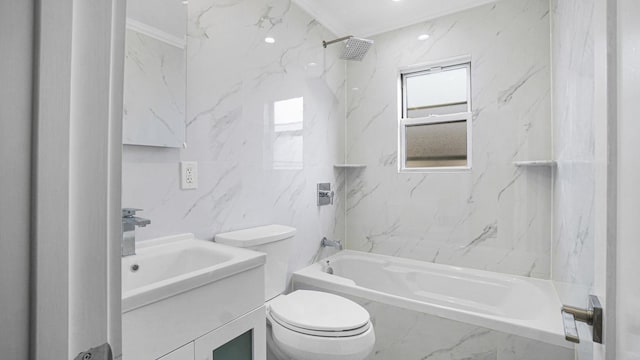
[[167, 266], [178, 288]]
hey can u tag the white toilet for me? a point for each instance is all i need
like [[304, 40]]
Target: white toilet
[[305, 325]]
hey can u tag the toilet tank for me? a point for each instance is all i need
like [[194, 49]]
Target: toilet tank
[[273, 240]]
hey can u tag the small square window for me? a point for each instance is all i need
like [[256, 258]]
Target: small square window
[[435, 123]]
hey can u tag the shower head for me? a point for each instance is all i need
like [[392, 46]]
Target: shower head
[[354, 48]]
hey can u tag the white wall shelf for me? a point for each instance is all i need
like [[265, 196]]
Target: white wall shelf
[[349, 166], [538, 163]]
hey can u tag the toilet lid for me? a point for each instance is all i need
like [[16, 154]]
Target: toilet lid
[[318, 311]]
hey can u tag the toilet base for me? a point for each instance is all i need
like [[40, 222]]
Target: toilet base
[[273, 351]]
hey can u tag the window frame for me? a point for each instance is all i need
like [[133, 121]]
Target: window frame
[[404, 121]]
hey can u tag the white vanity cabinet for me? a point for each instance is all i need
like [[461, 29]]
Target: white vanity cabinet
[[241, 339], [179, 291]]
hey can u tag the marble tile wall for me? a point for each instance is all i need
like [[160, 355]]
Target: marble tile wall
[[257, 165], [574, 148], [495, 217]]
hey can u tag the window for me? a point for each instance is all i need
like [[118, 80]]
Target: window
[[435, 123]]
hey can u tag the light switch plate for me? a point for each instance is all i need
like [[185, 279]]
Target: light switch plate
[[189, 175]]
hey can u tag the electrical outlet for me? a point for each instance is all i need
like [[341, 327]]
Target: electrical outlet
[[189, 174]]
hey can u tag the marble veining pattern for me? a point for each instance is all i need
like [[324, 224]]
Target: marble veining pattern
[[495, 217], [154, 89], [233, 80], [574, 148]]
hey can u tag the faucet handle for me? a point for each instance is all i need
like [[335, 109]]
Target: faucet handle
[[130, 212]]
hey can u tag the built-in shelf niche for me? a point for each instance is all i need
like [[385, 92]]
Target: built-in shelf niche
[[536, 163], [349, 166]]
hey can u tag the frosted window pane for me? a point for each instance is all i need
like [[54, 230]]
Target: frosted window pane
[[436, 145], [437, 88]]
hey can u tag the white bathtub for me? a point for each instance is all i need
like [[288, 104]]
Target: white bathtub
[[523, 306]]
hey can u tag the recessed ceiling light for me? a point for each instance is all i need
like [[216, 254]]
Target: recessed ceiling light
[[269, 40], [396, 0], [355, 89], [185, 2], [423, 37], [312, 64]]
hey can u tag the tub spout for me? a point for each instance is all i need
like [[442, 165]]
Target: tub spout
[[331, 243], [327, 268]]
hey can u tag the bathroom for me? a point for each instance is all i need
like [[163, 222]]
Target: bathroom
[[246, 133]]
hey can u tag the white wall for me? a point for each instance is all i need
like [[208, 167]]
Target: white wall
[[233, 79], [628, 266], [16, 44], [495, 217]]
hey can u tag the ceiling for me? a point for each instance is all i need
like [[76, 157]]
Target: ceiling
[[371, 17]]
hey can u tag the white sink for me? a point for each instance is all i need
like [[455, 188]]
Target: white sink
[[170, 265], [178, 288]]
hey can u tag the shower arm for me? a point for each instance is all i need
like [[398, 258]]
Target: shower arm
[[327, 43]]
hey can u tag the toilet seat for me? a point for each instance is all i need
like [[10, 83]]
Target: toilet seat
[[311, 332], [319, 314], [312, 325], [300, 346]]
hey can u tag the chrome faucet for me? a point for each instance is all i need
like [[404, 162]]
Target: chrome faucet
[[331, 243], [129, 223]]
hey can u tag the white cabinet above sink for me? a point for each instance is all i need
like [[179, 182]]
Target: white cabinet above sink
[[178, 288]]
